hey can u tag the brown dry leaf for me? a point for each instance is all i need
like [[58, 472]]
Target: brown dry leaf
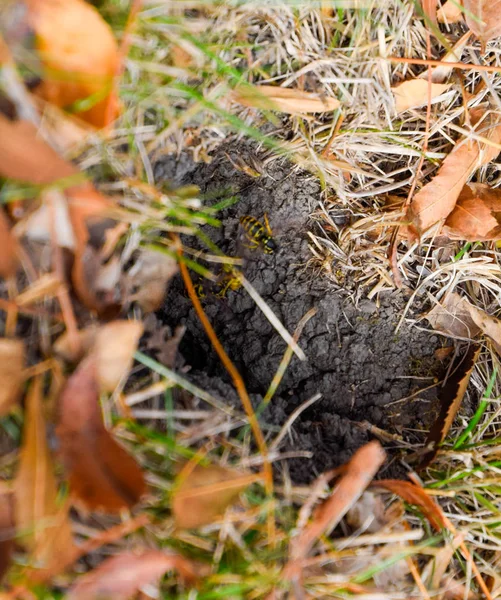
[[451, 396], [114, 350], [12, 361], [483, 17], [287, 100], [102, 475], [490, 325], [413, 494], [26, 157], [450, 12], [357, 475], [430, 9], [79, 56], [453, 317], [414, 93], [206, 492], [47, 286], [63, 345], [7, 531], [121, 577], [42, 520], [477, 215], [8, 257], [149, 277], [436, 200]]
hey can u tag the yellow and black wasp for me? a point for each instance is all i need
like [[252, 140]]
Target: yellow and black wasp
[[259, 235]]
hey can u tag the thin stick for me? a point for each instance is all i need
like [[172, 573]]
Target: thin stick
[[237, 382], [441, 63]]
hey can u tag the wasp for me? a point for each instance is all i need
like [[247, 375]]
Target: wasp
[[258, 234]]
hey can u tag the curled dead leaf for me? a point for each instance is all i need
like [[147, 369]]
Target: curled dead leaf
[[63, 345], [451, 397], [7, 531], [79, 55], [102, 475], [287, 100], [490, 326], [453, 318], [477, 214], [12, 360], [114, 350], [483, 17], [42, 520], [8, 243], [414, 93], [121, 577], [414, 494], [450, 12], [204, 493], [436, 200]]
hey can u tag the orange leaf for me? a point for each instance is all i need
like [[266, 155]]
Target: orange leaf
[[477, 215], [114, 350], [102, 474], [358, 474], [413, 494], [121, 576], [7, 532], [430, 9], [204, 494], [483, 17], [26, 157], [11, 373], [287, 100], [8, 243], [438, 198], [42, 520], [451, 396], [450, 12], [414, 93], [79, 56]]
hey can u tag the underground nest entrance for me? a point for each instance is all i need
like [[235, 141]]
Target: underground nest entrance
[[367, 374]]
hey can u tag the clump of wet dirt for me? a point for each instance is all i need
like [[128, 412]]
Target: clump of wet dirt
[[362, 368]]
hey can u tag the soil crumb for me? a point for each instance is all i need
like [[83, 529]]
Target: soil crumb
[[365, 371]]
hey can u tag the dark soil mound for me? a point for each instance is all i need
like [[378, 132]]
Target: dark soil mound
[[356, 361]]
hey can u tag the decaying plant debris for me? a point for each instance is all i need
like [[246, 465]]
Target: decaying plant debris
[[250, 284]]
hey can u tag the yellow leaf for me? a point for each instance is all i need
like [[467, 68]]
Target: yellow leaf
[[204, 494], [42, 520], [11, 372], [414, 93]]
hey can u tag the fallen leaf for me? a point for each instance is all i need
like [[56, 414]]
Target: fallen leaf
[[367, 513], [102, 475], [11, 373], [27, 157], [450, 12], [430, 9], [476, 216], [483, 17], [287, 100], [205, 493], [436, 200], [114, 350], [46, 286], [358, 474], [414, 494], [42, 520], [63, 346], [414, 93], [453, 317], [149, 277], [79, 57], [489, 325], [7, 532], [121, 577], [451, 397], [8, 257]]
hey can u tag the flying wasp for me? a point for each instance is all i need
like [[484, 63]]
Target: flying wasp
[[258, 234]]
